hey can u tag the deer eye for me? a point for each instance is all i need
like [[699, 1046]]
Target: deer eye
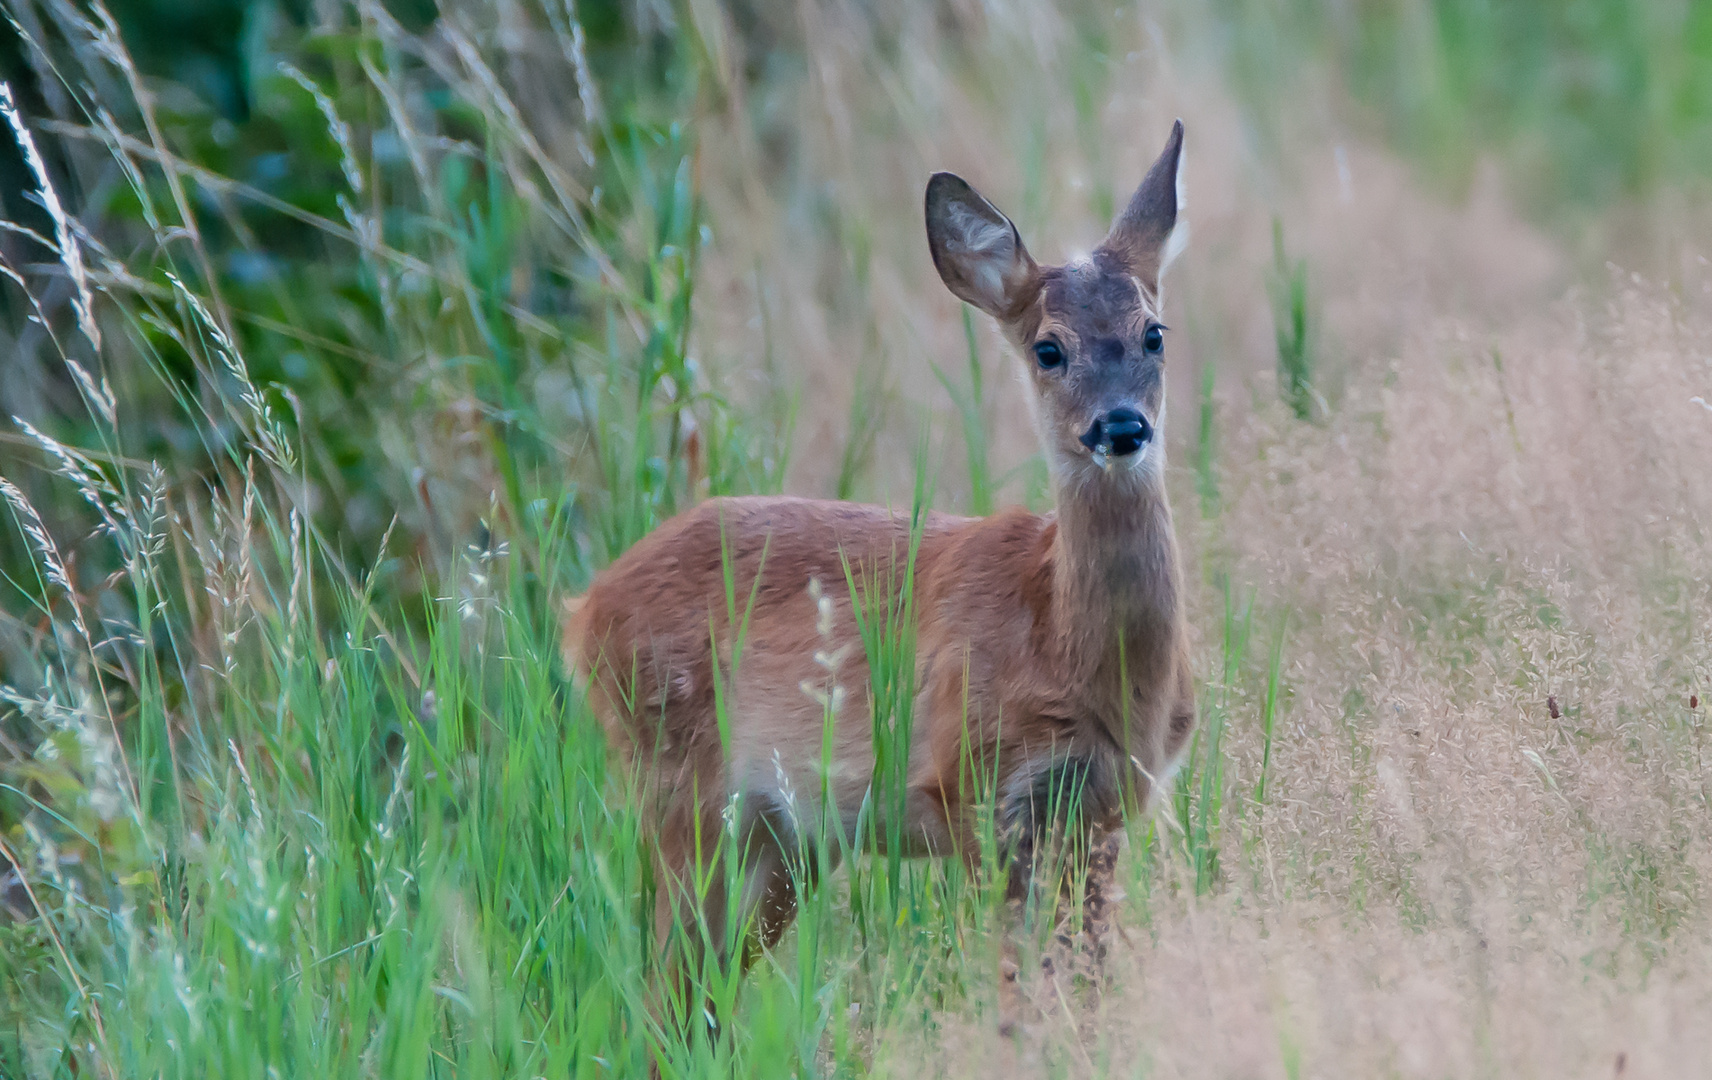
[[1154, 339], [1048, 354]]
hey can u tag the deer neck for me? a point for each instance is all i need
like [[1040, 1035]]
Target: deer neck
[[1116, 581]]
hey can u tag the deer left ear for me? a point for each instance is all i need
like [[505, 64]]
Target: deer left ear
[[1141, 238], [977, 250]]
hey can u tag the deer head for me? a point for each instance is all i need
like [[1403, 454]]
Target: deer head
[[1089, 331]]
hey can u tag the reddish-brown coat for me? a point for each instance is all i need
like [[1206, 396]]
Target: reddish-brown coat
[[1042, 642]]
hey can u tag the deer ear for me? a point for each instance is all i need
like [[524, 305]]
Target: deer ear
[[976, 249], [1141, 237]]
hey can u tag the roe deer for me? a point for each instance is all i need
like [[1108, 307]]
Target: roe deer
[[1049, 648]]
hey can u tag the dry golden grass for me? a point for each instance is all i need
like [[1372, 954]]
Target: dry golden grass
[[1508, 503]]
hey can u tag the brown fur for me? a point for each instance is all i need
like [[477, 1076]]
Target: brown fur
[[1046, 645]]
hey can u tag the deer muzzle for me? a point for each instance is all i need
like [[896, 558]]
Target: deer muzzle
[[1119, 433]]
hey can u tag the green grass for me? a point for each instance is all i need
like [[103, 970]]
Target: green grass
[[282, 803], [1298, 359], [290, 797], [1206, 445], [374, 848], [971, 411]]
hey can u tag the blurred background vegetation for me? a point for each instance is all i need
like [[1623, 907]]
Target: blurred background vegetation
[[416, 383], [1586, 102], [427, 328], [438, 329], [403, 292]]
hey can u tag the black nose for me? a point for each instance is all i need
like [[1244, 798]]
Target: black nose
[[1125, 430]]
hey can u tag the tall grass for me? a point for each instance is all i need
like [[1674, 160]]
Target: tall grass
[[1206, 445], [1202, 785], [971, 412], [274, 808], [1297, 357], [278, 806], [323, 406]]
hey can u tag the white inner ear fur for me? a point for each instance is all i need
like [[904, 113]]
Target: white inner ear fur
[[980, 235], [987, 248], [1179, 238], [1177, 183], [1174, 245]]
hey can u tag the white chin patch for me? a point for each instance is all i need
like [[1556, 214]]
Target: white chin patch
[[1104, 461]]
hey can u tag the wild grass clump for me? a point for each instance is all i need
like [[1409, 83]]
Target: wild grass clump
[[294, 782], [1297, 359]]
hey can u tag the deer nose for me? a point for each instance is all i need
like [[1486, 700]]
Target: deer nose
[[1124, 430]]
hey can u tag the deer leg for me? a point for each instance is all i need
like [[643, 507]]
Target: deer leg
[[777, 864], [1064, 846], [689, 911], [715, 907], [1052, 824], [1100, 893], [1043, 822]]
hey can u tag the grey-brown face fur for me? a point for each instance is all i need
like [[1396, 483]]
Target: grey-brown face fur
[[1098, 315]]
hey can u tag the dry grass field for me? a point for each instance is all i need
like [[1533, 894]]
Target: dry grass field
[[279, 799], [1484, 841]]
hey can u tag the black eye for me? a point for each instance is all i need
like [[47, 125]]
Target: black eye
[[1154, 339], [1048, 353]]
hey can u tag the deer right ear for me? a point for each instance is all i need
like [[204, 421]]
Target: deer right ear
[[977, 250], [1142, 235]]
